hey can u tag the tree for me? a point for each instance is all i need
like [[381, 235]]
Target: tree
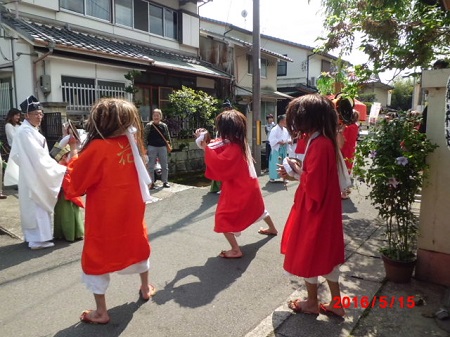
[[190, 109], [401, 98], [396, 34]]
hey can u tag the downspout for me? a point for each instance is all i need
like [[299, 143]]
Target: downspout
[[51, 46], [16, 103], [307, 69]]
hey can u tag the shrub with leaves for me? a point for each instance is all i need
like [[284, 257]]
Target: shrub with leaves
[[392, 161], [189, 110]]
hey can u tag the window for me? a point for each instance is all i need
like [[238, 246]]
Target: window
[[156, 20], [264, 64], [282, 68], [326, 66], [141, 15], [80, 93], [163, 21], [72, 5], [124, 12], [97, 8], [170, 24]]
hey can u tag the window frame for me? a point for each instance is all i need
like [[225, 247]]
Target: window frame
[[264, 66], [282, 67]]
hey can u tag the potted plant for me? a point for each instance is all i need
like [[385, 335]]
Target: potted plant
[[392, 161]]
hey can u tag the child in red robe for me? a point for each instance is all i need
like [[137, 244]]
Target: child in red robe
[[110, 172], [229, 161], [313, 238], [350, 137]]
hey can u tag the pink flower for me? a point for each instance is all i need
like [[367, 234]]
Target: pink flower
[[402, 160], [393, 182]]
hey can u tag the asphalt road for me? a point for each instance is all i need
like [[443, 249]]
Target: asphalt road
[[199, 294]]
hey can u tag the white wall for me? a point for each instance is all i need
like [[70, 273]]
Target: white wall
[[57, 67]]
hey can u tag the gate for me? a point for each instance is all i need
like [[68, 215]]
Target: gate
[[51, 128]]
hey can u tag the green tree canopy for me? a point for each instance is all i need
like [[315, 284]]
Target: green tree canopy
[[190, 109], [401, 98], [396, 34]]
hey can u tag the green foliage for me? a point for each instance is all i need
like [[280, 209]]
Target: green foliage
[[402, 94], [396, 34], [132, 89], [190, 109], [345, 80], [325, 84], [392, 161]]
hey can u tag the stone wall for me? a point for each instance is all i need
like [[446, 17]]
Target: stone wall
[[189, 159]]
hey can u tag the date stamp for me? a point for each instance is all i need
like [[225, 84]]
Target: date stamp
[[382, 302]]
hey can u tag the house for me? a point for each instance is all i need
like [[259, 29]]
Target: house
[[69, 53], [299, 77], [377, 91], [229, 48]]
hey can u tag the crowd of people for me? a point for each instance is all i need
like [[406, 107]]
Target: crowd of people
[[53, 185]]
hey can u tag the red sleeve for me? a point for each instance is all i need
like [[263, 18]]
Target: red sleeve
[[301, 146], [317, 162], [224, 163], [83, 172], [350, 136]]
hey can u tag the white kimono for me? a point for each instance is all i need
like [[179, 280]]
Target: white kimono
[[279, 152], [39, 178]]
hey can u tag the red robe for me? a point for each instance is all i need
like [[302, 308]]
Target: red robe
[[313, 237], [348, 150], [240, 202], [115, 231]]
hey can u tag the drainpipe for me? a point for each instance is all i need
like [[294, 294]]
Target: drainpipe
[[51, 46], [16, 103], [307, 68]]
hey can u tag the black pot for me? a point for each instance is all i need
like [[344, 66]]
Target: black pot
[[398, 271]]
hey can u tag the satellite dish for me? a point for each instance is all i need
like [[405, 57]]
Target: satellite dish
[[244, 13]]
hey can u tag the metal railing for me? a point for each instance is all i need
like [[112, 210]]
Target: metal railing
[[81, 97]]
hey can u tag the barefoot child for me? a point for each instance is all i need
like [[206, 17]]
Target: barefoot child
[[313, 238], [110, 171], [229, 161]]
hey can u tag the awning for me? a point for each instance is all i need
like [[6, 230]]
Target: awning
[[180, 65], [241, 91]]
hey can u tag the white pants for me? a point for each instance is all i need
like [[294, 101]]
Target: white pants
[[333, 276], [98, 284]]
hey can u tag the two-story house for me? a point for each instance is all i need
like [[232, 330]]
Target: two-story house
[[230, 48], [72, 52]]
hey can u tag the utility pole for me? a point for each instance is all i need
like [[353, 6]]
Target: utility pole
[[256, 89]]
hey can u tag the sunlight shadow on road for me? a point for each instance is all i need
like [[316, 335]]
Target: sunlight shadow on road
[[215, 276], [120, 316]]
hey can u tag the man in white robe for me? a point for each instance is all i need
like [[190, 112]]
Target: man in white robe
[[38, 176], [279, 139]]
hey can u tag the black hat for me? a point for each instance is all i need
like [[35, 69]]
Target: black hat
[[227, 104], [269, 116], [30, 104]]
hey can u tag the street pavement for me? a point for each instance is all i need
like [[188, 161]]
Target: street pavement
[[200, 294]]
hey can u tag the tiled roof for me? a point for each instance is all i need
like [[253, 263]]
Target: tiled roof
[[247, 44], [65, 38], [264, 36]]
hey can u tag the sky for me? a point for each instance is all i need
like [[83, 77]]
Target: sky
[[299, 21]]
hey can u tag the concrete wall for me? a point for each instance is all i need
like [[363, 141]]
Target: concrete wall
[[434, 241]]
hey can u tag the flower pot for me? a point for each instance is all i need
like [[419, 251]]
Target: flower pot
[[398, 271]]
